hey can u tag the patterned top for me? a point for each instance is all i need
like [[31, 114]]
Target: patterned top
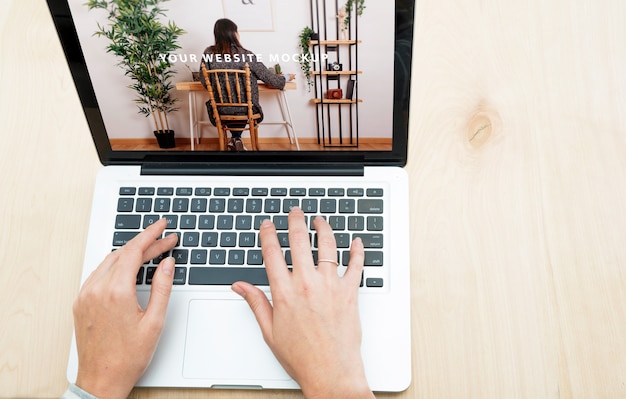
[[258, 71]]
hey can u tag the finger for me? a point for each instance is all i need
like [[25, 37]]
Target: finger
[[299, 242], [326, 247], [160, 294], [134, 252], [275, 265], [260, 306], [354, 272], [160, 247]]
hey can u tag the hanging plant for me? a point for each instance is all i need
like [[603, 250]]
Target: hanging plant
[[305, 59], [360, 7]]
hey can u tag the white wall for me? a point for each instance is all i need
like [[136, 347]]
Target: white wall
[[197, 17]]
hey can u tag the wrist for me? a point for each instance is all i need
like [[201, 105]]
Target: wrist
[[341, 387], [102, 389]]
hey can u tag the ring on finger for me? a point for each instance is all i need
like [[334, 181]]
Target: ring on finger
[[329, 261]]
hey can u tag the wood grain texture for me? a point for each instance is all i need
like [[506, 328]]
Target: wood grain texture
[[518, 192]]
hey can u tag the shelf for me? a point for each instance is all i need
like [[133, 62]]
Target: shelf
[[328, 101], [336, 72], [332, 42]]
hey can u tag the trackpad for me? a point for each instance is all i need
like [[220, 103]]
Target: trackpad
[[224, 342]]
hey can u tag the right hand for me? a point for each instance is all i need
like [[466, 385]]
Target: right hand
[[313, 327]]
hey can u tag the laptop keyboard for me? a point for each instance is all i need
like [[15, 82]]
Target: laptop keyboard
[[218, 228]]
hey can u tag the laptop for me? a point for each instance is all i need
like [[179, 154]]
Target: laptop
[[333, 143]]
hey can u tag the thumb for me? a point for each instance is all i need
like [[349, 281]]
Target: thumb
[[160, 291], [260, 306]]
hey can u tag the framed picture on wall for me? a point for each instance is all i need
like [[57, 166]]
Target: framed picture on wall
[[250, 15]]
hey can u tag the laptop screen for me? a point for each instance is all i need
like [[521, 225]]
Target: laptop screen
[[328, 77]]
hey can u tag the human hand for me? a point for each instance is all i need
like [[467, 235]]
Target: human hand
[[115, 337], [313, 327]]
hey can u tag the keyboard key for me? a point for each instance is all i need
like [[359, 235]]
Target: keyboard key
[[281, 222], [247, 240], [143, 205], [149, 220], [356, 223], [289, 203], [278, 192], [206, 222], [235, 205], [180, 205], [236, 257], [228, 239], [191, 239], [180, 256], [188, 222], [127, 190], [317, 192], [355, 192], [254, 205], [146, 191], [328, 206], [221, 192], [241, 192], [198, 205], [198, 257], [127, 221], [184, 191], [180, 275], [224, 222], [336, 192], [370, 240], [203, 191], [374, 192], [140, 275], [272, 205], [374, 282], [346, 206], [372, 258], [243, 222], [150, 274], [217, 257], [125, 204], [122, 237], [172, 222], [370, 206], [375, 223], [209, 239], [165, 191], [297, 192], [337, 222], [255, 257], [260, 192], [309, 205], [162, 205], [217, 205], [227, 275]]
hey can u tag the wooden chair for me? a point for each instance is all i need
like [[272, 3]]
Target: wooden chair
[[224, 87]]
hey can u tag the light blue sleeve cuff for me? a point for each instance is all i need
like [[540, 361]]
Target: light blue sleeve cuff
[[74, 392]]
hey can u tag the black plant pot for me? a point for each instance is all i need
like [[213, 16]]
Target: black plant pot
[[165, 138]]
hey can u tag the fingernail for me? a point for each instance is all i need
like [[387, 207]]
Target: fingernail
[[238, 290], [168, 266]]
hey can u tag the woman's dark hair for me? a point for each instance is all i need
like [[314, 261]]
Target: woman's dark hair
[[225, 32]]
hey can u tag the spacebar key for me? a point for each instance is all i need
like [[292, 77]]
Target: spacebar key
[[226, 275]]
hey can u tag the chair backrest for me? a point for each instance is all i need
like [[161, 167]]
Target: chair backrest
[[225, 88]]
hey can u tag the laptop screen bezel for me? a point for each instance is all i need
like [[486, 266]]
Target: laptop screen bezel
[[404, 26]]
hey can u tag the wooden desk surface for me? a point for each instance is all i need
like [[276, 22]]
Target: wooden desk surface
[[518, 173]]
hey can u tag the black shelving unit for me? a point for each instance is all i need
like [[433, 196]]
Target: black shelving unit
[[337, 119]]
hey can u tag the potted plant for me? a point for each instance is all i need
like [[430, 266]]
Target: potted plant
[[306, 60], [142, 43], [349, 6]]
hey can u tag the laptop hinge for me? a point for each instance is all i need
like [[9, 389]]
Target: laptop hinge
[[252, 169]]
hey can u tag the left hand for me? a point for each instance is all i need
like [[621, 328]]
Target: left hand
[[115, 337]]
